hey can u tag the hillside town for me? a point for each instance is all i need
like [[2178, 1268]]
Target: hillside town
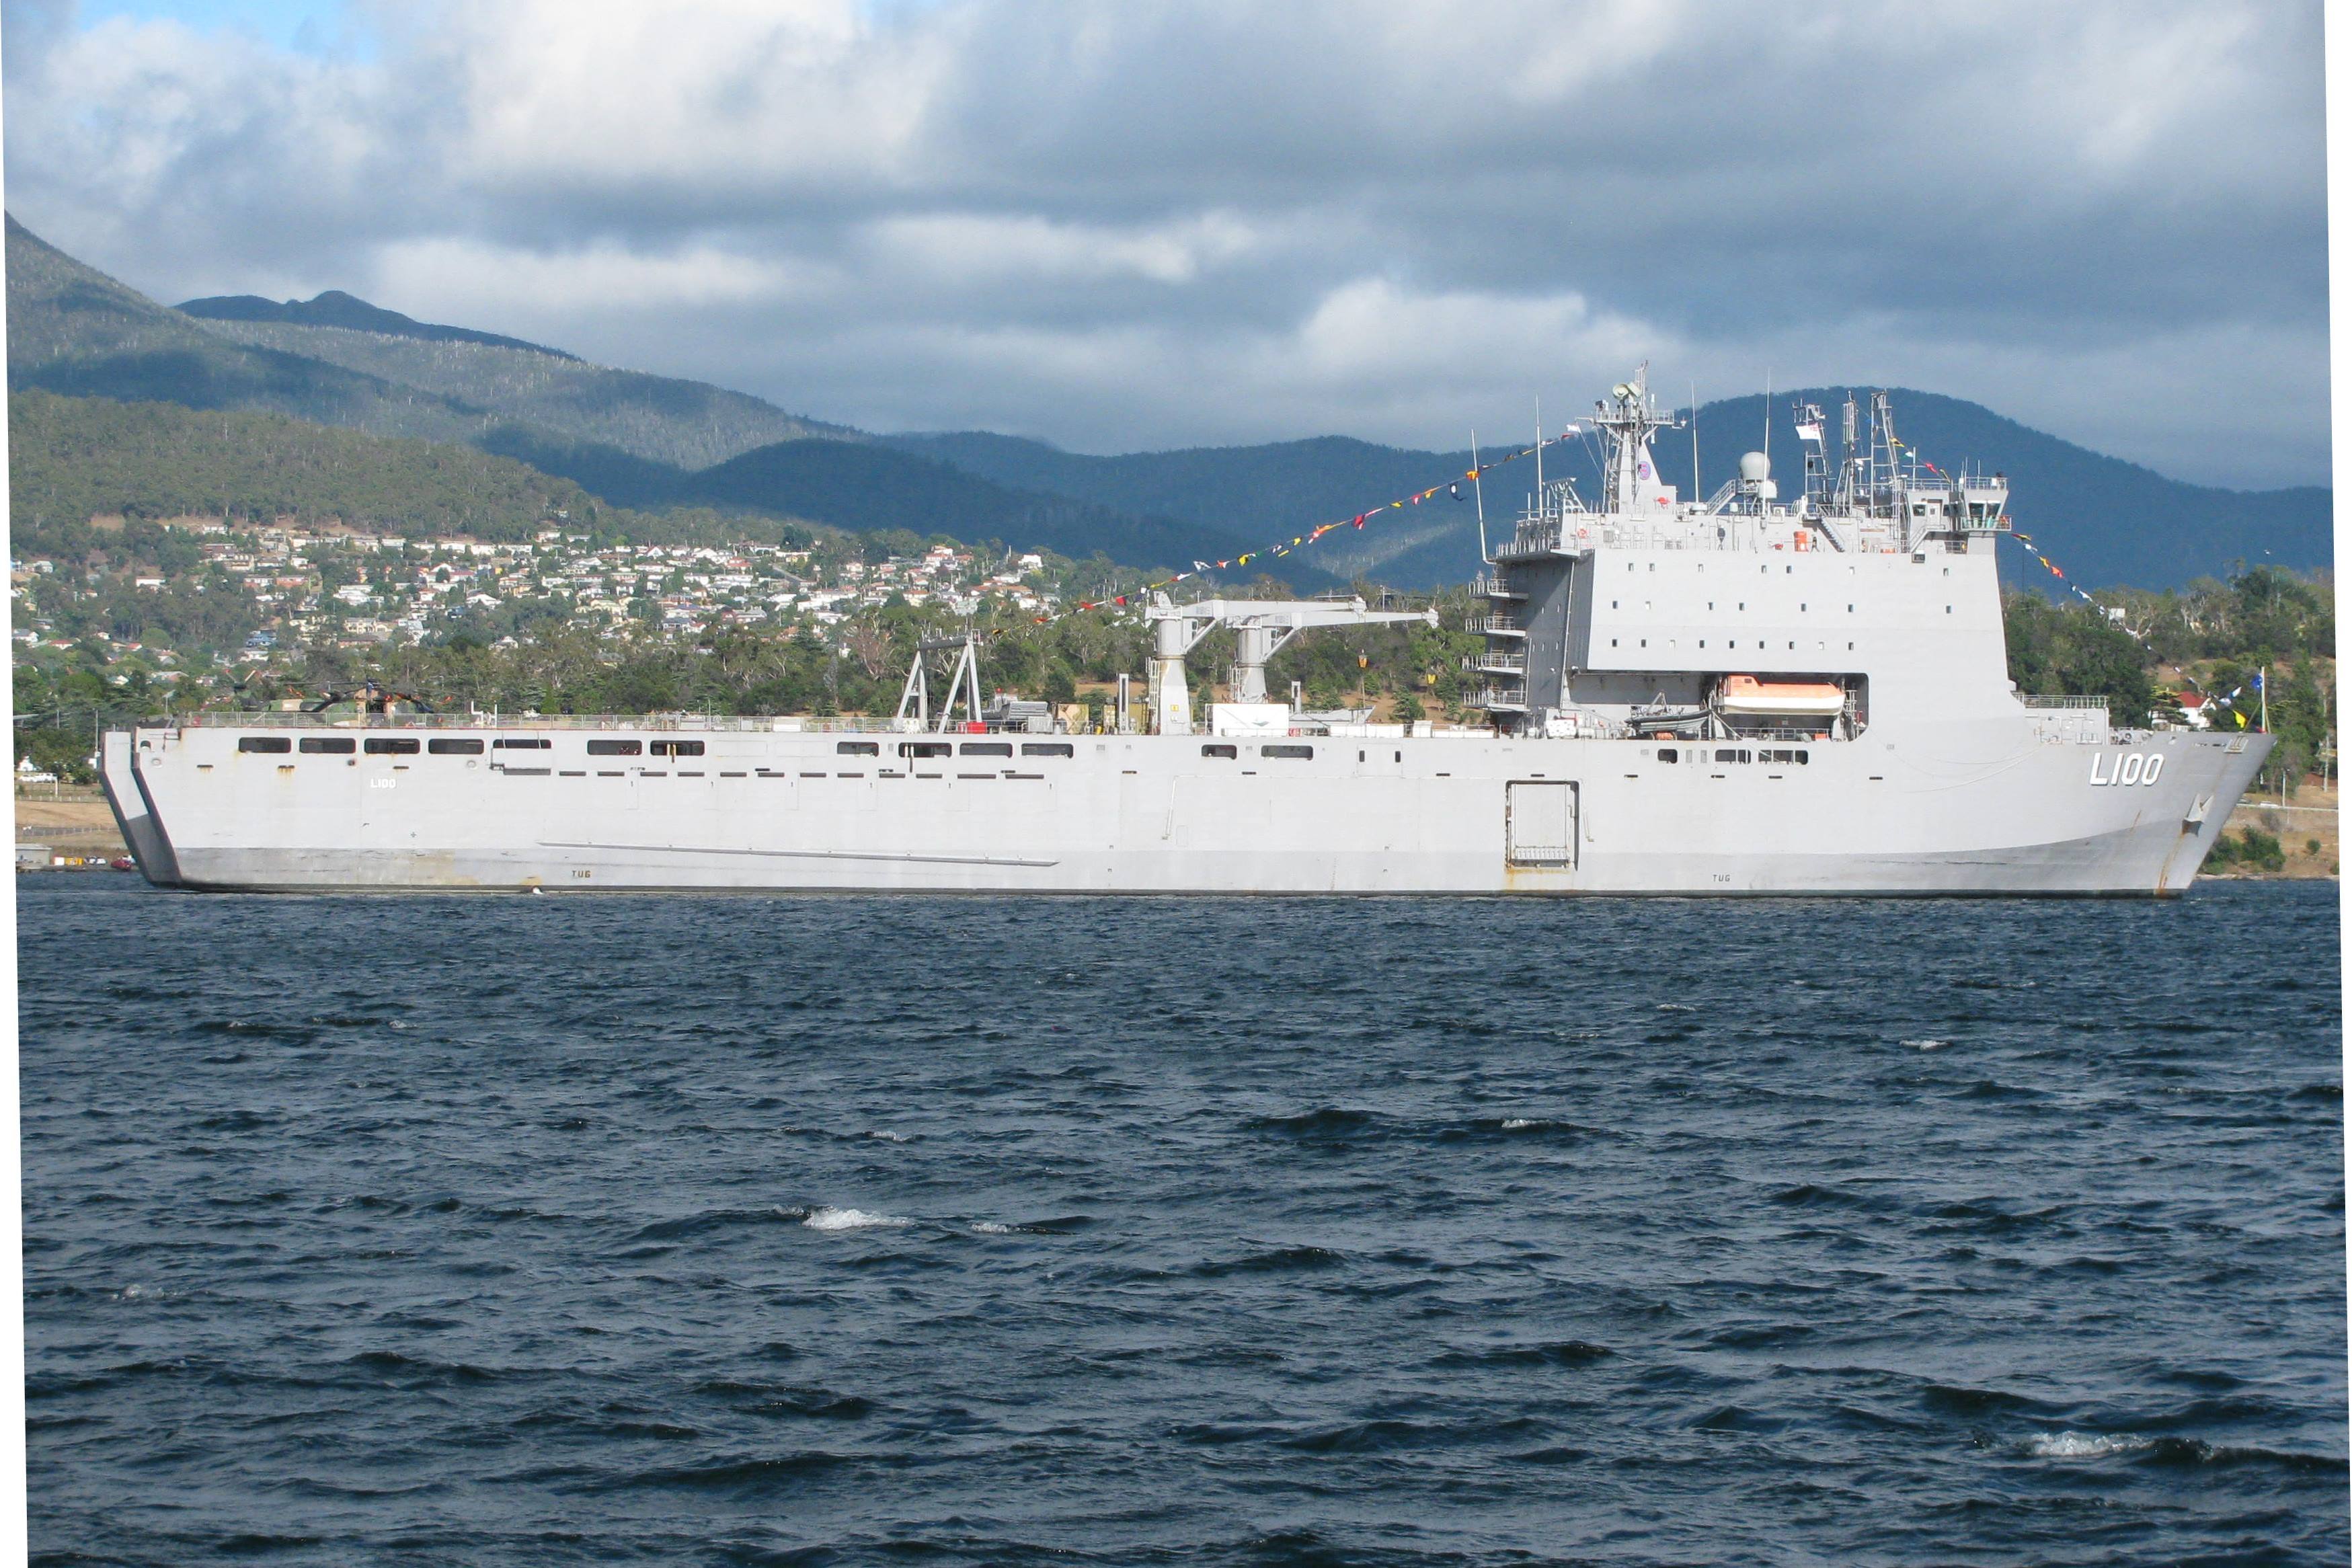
[[277, 592]]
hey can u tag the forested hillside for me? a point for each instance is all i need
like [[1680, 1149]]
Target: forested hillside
[[684, 423], [73, 330], [72, 458]]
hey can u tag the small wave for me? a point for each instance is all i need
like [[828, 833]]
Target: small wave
[[1555, 1352], [1280, 1261], [990, 1228], [825, 1217], [1927, 1045], [1330, 1121], [1520, 1123], [2083, 1445], [1676, 1007], [883, 1135]]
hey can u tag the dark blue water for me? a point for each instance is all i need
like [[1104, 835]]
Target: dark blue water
[[749, 1231]]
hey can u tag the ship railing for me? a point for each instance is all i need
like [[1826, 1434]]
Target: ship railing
[[1492, 588], [1502, 700], [276, 719], [2065, 702], [1498, 623], [1531, 539], [1504, 663]]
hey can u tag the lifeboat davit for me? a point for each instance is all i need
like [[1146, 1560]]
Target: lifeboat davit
[[1746, 695]]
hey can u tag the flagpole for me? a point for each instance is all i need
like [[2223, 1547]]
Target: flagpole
[[1479, 489]]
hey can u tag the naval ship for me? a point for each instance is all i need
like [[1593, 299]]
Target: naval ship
[[1727, 694]]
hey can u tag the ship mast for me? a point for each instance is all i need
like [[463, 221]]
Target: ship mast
[[1627, 417]]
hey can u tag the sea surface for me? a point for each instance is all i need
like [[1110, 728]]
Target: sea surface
[[751, 1231]]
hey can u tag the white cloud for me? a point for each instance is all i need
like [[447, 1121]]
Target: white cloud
[[1155, 222]]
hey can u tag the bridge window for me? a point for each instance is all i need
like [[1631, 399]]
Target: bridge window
[[608, 748], [985, 749], [678, 748], [1302, 751], [445, 747], [1048, 749], [924, 749], [1228, 752], [858, 748], [539, 744], [264, 744], [1731, 756], [390, 745], [335, 744]]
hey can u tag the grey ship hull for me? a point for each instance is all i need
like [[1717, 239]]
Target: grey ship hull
[[1989, 807]]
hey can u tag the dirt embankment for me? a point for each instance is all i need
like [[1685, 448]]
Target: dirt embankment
[[74, 822]]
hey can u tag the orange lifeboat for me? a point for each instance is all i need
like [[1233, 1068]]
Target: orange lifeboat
[[1746, 695]]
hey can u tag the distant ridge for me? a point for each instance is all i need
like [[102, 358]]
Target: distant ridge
[[648, 441], [336, 309]]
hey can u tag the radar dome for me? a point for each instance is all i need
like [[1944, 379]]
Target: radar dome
[[1755, 466]]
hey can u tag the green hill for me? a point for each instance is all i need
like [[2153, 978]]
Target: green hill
[[71, 459], [72, 329], [660, 418]]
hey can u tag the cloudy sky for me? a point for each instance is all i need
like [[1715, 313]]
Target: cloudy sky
[[1135, 224]]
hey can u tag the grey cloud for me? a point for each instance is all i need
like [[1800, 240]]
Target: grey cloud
[[1145, 224]]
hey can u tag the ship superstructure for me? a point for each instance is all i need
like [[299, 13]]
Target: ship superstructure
[[1732, 694]]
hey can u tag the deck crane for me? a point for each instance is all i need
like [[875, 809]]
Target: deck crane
[[1264, 626]]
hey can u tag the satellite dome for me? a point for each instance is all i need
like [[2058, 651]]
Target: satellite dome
[[1755, 466]]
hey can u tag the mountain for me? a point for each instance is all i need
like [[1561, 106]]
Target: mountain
[[650, 441], [633, 440], [657, 418], [336, 309], [72, 329], [2106, 521]]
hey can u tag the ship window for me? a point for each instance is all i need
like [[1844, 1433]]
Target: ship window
[[1947, 609], [453, 748], [264, 744], [335, 743], [609, 748], [1613, 604], [1803, 606], [1803, 758], [1668, 754], [985, 749], [858, 748], [1307, 752], [1228, 752], [390, 745], [1048, 749], [678, 748], [924, 748], [540, 745], [1645, 642], [1612, 642], [1849, 609], [1731, 756]]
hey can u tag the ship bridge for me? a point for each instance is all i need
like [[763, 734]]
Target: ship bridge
[[1647, 609]]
